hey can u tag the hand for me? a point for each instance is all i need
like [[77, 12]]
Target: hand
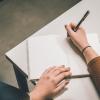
[[79, 37], [51, 82]]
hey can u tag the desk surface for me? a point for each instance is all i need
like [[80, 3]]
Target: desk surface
[[19, 54]]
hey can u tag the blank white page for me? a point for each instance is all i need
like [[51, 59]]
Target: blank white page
[[44, 52], [55, 50]]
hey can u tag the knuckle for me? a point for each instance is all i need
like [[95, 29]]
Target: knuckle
[[63, 75], [57, 71], [67, 73], [53, 81], [47, 77], [50, 79], [68, 68]]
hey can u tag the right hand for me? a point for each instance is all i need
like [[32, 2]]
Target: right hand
[[79, 37]]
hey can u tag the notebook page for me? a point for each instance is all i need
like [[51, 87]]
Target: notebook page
[[54, 50], [43, 53]]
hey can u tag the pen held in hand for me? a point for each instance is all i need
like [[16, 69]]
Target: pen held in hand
[[80, 22], [78, 76], [70, 77]]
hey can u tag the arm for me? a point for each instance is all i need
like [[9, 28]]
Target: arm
[[79, 39], [51, 83]]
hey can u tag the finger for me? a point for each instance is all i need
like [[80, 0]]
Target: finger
[[72, 25], [61, 66], [68, 35], [61, 70], [62, 76], [69, 30], [61, 86], [57, 67], [49, 69], [81, 28]]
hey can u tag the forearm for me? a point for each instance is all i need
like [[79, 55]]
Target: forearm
[[80, 40], [93, 61], [94, 70]]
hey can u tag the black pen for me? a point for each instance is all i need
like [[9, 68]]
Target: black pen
[[80, 22], [78, 76], [70, 77], [83, 18]]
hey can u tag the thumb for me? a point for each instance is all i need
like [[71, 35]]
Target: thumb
[[69, 30]]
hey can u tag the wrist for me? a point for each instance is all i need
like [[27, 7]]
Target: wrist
[[39, 94], [86, 47], [89, 54], [39, 97], [36, 95]]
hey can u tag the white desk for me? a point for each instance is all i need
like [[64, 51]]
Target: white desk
[[18, 55]]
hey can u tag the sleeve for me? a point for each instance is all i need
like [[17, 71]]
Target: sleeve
[[94, 70]]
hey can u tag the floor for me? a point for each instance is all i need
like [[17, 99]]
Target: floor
[[21, 18]]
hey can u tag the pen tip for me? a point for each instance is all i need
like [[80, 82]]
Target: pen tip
[[88, 11]]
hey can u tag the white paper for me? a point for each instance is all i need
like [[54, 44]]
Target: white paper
[[55, 50], [78, 89]]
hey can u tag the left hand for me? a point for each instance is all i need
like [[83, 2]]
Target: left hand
[[51, 82]]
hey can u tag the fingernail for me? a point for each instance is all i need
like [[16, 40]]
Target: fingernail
[[68, 68], [63, 65]]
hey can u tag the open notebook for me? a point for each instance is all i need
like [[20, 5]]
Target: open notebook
[[54, 50]]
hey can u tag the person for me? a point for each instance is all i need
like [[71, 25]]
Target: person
[[52, 80]]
